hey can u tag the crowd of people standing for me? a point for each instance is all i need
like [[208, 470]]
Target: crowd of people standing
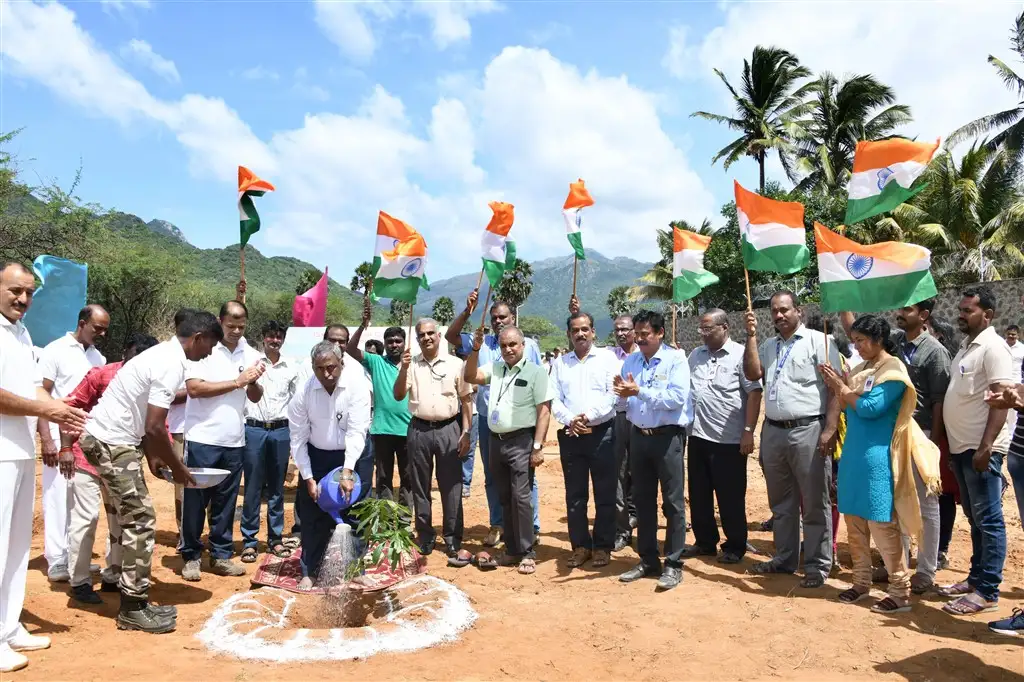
[[870, 439]]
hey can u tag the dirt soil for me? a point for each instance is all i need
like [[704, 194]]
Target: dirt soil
[[560, 624]]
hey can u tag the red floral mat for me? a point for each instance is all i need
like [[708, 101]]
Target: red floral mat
[[286, 573]]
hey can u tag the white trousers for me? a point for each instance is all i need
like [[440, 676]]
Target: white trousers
[[17, 495], [56, 500], [89, 496]]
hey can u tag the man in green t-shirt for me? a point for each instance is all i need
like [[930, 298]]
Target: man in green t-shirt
[[390, 417]]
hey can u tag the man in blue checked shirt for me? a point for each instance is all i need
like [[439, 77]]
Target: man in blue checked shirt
[[656, 384], [490, 352]]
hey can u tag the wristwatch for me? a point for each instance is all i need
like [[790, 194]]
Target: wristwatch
[[347, 477], [537, 446]]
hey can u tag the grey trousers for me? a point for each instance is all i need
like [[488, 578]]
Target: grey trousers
[[795, 471], [625, 510], [513, 478], [426, 446]]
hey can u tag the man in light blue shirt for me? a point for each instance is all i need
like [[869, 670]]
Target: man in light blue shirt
[[656, 383], [490, 352]]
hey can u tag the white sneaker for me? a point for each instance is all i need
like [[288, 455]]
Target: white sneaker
[[11, 660], [58, 573], [22, 641]]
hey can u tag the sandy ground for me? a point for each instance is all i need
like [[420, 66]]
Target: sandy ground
[[720, 624]]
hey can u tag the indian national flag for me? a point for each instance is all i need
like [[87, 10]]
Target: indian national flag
[[249, 186], [871, 278], [399, 260], [497, 250], [572, 211], [772, 234], [688, 273], [883, 176]]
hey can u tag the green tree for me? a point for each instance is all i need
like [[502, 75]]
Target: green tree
[[971, 215], [618, 302], [534, 325], [361, 280], [307, 280], [515, 286], [443, 311], [843, 112], [768, 106], [400, 311], [1008, 123]]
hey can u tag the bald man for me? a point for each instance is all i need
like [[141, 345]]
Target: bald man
[[63, 364]]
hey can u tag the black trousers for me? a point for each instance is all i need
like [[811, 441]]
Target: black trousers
[[427, 446], [625, 510], [718, 470], [658, 460], [587, 458], [513, 478], [387, 449]]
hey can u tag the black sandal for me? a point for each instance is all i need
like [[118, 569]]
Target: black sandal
[[890, 605], [249, 555], [766, 568], [812, 581], [852, 595], [280, 550]]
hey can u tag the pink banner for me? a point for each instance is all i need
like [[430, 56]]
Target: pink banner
[[310, 308]]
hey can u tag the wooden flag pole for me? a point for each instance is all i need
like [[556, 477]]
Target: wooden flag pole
[[824, 328], [487, 300], [241, 263], [409, 335], [575, 263], [750, 301], [674, 343], [480, 279]]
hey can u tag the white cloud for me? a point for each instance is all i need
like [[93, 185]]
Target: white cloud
[[551, 31], [123, 5], [520, 132], [933, 55], [350, 24], [259, 73], [680, 58], [142, 52]]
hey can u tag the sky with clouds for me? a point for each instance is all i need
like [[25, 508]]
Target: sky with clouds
[[430, 110]]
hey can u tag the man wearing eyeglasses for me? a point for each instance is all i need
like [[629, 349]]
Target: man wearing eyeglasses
[[438, 432], [726, 407]]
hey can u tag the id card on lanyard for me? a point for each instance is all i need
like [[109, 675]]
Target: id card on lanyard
[[773, 390], [503, 388]]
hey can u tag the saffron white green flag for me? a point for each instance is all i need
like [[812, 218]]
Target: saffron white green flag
[[399, 260], [688, 274], [497, 250], [869, 278], [884, 174], [772, 233], [249, 186], [572, 211]]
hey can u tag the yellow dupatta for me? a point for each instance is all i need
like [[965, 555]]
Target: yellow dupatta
[[909, 446]]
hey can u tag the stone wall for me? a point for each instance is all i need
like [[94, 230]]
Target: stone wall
[[1008, 299]]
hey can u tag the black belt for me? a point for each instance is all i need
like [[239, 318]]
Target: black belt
[[795, 423], [269, 426], [513, 434], [441, 423], [659, 430]]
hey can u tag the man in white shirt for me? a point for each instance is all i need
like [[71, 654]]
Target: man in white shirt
[[328, 420], [134, 407], [215, 438], [22, 403], [265, 459], [585, 406], [63, 364], [1017, 355]]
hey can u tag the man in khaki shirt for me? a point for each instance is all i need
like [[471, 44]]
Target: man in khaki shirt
[[439, 401]]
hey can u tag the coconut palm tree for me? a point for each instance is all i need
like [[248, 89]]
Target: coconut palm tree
[[843, 112], [656, 283], [1008, 123], [766, 108], [971, 215]]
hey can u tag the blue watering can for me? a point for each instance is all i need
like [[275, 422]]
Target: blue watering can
[[331, 498]]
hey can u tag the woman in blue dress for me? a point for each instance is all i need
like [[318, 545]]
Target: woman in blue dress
[[872, 397]]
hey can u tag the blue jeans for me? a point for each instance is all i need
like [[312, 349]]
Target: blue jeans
[[467, 464], [217, 503], [1015, 465], [980, 496], [493, 501], [264, 462]]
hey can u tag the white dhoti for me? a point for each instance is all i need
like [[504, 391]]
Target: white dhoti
[[17, 496], [56, 498]]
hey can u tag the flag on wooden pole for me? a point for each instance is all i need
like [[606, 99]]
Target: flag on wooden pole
[[688, 274], [572, 211], [884, 175], [249, 186], [399, 260], [772, 233], [497, 250]]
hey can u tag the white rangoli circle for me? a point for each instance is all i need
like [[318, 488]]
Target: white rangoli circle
[[254, 625]]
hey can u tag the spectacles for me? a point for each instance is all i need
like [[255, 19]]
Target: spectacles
[[704, 331]]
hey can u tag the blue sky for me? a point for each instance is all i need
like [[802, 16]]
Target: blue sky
[[430, 110]]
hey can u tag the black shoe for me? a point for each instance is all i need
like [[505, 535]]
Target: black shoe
[[622, 542], [693, 551], [943, 562], [146, 619], [109, 587], [670, 577], [730, 558], [768, 525], [84, 594], [637, 572], [426, 547], [168, 610]]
